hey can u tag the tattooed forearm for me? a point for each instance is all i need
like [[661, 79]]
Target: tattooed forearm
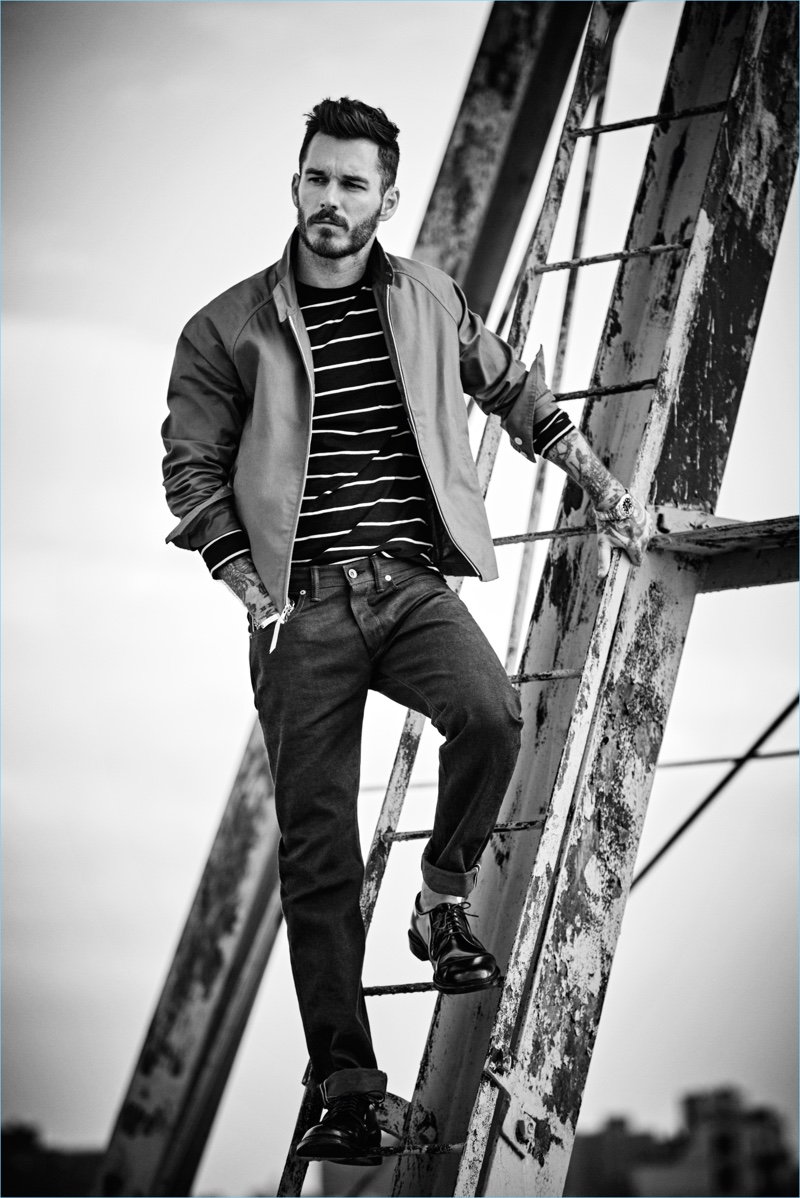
[[241, 577], [575, 456]]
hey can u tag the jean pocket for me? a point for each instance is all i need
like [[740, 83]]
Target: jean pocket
[[299, 601], [298, 605]]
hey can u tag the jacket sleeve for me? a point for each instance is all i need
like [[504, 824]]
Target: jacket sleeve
[[207, 407], [501, 386]]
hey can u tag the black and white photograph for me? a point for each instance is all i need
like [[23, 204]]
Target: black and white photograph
[[399, 598]]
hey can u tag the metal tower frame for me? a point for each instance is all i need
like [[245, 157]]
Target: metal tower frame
[[500, 1084]]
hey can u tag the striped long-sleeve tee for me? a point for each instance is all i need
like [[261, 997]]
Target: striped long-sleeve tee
[[366, 490]]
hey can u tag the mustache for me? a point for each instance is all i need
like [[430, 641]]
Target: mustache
[[330, 216]]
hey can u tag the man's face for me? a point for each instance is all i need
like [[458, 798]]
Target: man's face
[[338, 196]]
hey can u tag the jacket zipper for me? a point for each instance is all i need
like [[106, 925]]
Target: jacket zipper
[[410, 415], [288, 606]]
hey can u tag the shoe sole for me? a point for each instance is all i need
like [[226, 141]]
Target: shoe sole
[[417, 946], [335, 1152]]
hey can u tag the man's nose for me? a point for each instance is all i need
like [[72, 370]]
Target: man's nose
[[330, 196]]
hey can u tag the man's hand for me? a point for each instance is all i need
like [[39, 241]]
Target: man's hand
[[241, 577], [631, 533]]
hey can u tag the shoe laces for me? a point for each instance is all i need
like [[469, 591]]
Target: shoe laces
[[451, 922], [351, 1104]]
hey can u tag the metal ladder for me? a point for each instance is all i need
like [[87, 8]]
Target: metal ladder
[[497, 1098]]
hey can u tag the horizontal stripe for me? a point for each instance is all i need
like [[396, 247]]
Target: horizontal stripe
[[384, 478], [348, 531], [339, 340], [343, 453], [312, 328], [360, 387], [361, 432], [349, 507], [378, 407], [370, 482], [341, 474], [357, 362], [343, 299]]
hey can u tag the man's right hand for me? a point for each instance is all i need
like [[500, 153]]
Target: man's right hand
[[241, 577]]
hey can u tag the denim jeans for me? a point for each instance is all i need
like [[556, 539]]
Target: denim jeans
[[395, 627]]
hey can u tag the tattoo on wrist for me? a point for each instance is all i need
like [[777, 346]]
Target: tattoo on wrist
[[241, 577], [578, 460]]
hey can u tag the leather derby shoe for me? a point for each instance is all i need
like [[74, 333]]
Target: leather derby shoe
[[442, 936], [348, 1133]]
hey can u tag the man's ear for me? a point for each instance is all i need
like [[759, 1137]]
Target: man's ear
[[295, 190], [391, 198]]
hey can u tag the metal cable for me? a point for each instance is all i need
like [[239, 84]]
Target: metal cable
[[749, 755]]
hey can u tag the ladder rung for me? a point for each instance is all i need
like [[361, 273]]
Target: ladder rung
[[422, 1149], [389, 837], [402, 988], [549, 534], [545, 676], [612, 389], [658, 118], [416, 988], [671, 247]]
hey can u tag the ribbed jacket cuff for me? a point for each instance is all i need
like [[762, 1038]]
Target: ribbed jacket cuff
[[223, 549], [549, 430]]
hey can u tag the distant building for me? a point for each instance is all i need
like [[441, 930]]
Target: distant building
[[721, 1149], [29, 1168]]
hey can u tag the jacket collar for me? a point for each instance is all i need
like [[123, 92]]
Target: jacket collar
[[379, 269]]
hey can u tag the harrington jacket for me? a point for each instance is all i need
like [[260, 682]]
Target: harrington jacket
[[241, 396]]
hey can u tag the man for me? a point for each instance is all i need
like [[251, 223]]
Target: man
[[318, 458]]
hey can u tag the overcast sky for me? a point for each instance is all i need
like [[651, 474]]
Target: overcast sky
[[147, 154]]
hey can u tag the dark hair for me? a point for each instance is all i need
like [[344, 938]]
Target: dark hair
[[349, 119]]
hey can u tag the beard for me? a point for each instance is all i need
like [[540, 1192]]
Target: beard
[[323, 243]]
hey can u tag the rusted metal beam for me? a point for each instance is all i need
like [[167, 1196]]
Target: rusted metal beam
[[755, 567], [161, 1128], [524, 1122], [494, 151], [600, 737]]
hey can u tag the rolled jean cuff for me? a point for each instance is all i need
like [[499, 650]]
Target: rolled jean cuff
[[445, 882], [353, 1081]]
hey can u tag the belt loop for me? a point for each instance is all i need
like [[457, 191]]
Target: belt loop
[[376, 572], [315, 584]]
